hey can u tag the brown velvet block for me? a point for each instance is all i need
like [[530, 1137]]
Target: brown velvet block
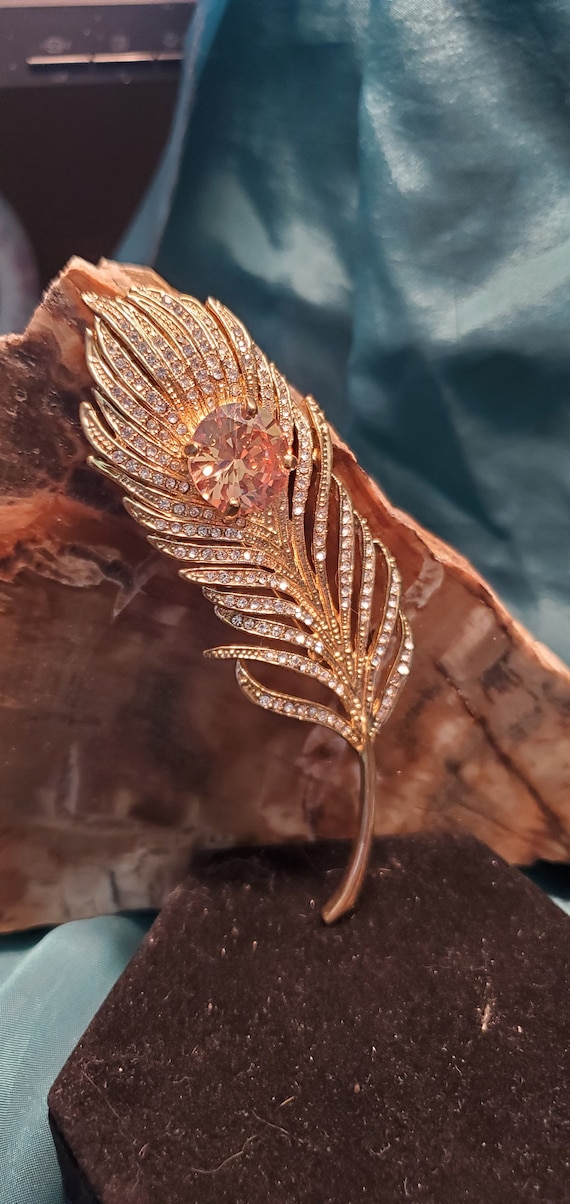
[[418, 1051]]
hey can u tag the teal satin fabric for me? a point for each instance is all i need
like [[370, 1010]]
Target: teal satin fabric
[[49, 990], [380, 188], [382, 191]]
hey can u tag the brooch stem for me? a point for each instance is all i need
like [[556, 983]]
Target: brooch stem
[[345, 897]]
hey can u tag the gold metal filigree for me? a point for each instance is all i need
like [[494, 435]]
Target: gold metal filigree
[[304, 577]]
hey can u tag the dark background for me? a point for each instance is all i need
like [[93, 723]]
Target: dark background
[[75, 160], [87, 93]]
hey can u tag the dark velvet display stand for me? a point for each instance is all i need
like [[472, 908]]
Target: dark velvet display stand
[[418, 1051]]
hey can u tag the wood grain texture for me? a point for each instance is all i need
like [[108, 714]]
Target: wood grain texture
[[120, 747]]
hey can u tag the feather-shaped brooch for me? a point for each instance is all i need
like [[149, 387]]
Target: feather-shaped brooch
[[233, 476]]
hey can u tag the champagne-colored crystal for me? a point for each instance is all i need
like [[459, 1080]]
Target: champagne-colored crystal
[[238, 459]]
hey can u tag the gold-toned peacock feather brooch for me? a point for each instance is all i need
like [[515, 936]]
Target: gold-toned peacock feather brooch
[[232, 475]]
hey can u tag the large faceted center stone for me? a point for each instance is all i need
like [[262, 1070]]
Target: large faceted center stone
[[238, 459]]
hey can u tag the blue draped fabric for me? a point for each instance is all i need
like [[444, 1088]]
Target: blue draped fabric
[[49, 990], [382, 191], [380, 188]]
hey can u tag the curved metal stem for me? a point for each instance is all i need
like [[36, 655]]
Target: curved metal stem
[[346, 895]]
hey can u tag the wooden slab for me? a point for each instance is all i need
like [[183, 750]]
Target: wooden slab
[[121, 747]]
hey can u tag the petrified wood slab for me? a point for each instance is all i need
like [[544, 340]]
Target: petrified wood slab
[[121, 747]]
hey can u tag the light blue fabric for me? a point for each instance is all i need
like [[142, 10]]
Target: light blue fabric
[[48, 995], [142, 242], [19, 283], [381, 189]]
